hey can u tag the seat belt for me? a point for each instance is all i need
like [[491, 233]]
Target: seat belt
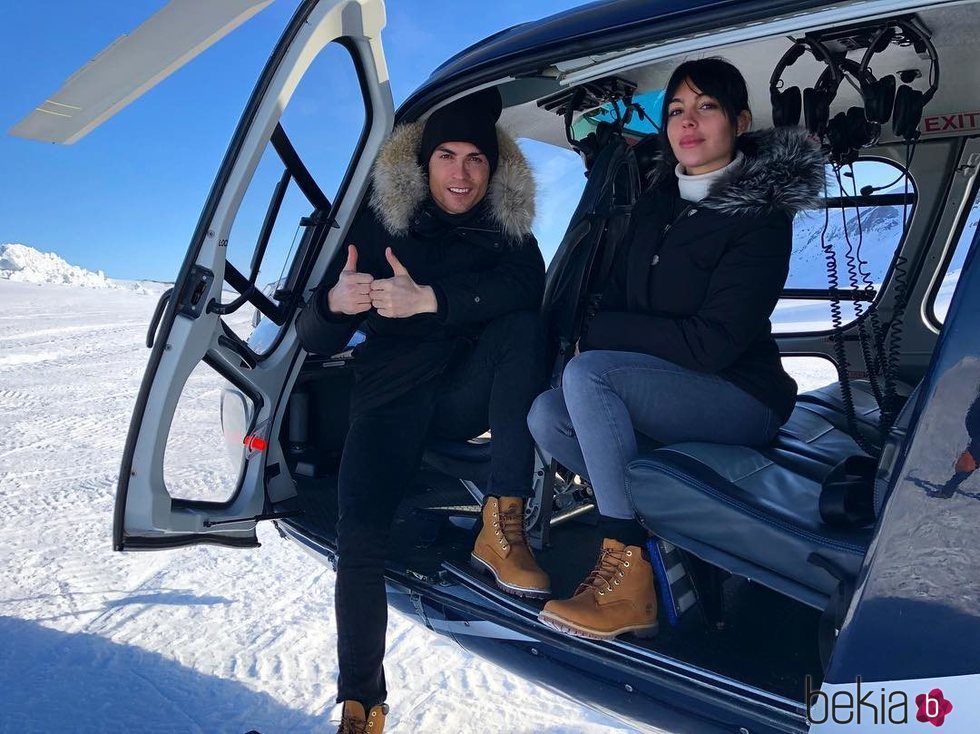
[[618, 217], [847, 494]]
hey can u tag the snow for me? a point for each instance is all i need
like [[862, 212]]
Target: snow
[[24, 264], [200, 639]]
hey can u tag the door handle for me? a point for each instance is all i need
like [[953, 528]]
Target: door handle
[[155, 321]]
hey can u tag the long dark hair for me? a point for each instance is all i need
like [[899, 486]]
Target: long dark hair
[[715, 77]]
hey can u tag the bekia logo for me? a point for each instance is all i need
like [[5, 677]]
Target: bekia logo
[[932, 707], [874, 705]]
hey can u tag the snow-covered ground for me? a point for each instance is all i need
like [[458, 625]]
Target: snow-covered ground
[[194, 640]]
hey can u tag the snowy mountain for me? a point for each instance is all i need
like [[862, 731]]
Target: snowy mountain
[[874, 233], [27, 265], [871, 232], [24, 264]]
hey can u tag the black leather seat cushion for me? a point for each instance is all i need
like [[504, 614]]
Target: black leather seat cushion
[[462, 459], [755, 511]]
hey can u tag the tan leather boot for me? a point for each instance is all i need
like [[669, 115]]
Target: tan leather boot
[[501, 548], [617, 597], [354, 720]]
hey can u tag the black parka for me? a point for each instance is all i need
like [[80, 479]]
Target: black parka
[[480, 265], [696, 283]]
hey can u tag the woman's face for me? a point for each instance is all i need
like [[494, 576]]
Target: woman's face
[[700, 133]]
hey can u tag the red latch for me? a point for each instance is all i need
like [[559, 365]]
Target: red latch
[[255, 443]]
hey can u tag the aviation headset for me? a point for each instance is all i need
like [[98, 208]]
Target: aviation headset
[[814, 102], [847, 132], [904, 104], [859, 127]]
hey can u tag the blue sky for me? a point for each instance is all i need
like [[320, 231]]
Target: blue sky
[[125, 198]]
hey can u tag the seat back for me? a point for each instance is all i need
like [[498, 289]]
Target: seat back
[[584, 258]]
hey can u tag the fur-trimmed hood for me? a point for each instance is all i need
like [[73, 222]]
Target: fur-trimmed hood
[[783, 170], [400, 184]]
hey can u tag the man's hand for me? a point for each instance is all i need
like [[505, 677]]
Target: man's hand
[[352, 293], [400, 296]]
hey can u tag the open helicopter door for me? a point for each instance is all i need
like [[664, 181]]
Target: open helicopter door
[[162, 501]]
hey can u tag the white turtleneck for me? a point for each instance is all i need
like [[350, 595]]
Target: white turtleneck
[[694, 188]]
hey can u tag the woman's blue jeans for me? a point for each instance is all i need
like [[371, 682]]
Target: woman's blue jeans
[[590, 423]]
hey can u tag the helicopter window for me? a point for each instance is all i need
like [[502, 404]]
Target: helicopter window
[[560, 178], [289, 198], [206, 448], [639, 125], [946, 286], [848, 244]]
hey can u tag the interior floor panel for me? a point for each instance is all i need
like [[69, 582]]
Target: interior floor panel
[[769, 641]]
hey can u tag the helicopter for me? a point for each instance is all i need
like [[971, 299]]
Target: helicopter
[[788, 621]]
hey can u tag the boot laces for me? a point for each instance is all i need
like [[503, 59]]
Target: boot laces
[[607, 568], [352, 725], [512, 526]]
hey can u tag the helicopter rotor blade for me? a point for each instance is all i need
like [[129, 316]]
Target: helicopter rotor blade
[[133, 64]]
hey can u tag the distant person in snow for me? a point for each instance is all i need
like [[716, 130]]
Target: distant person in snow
[[681, 347], [446, 279], [967, 461]]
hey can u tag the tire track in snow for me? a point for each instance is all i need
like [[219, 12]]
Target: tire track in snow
[[101, 329]]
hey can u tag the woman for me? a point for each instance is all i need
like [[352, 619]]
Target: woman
[[681, 347]]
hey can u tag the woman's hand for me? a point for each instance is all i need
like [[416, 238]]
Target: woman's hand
[[400, 297]]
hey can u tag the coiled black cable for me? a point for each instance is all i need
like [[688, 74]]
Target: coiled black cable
[[890, 406], [840, 351], [856, 266], [875, 369]]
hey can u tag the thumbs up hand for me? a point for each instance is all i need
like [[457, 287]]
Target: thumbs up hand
[[352, 293], [399, 297], [396, 267]]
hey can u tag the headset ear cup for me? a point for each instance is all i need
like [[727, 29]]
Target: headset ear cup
[[790, 107], [787, 104], [861, 132], [908, 111], [794, 105], [837, 137], [886, 98], [809, 114], [816, 110], [879, 98], [917, 103], [900, 116]]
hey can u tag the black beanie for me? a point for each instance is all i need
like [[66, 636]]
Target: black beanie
[[471, 119]]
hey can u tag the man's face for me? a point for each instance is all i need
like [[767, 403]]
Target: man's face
[[458, 176]]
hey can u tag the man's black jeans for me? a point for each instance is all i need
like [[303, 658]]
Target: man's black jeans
[[493, 387]]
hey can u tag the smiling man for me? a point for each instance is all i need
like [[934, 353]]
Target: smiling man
[[444, 277]]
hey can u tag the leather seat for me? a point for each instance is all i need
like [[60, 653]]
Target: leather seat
[[462, 459], [754, 511]]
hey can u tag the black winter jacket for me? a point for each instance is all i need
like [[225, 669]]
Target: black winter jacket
[[695, 284], [481, 265]]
